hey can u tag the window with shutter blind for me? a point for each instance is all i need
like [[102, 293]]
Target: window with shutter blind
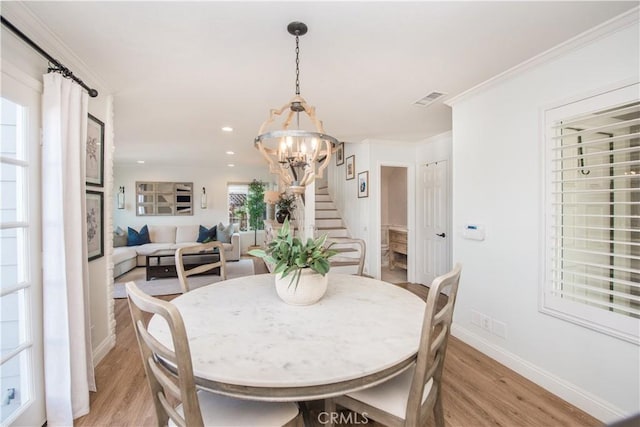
[[592, 225]]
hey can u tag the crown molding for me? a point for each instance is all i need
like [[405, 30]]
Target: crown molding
[[19, 14], [598, 32]]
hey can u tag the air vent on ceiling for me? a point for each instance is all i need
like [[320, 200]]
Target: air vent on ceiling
[[429, 99]]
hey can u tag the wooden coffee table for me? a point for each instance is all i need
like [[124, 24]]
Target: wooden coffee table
[[165, 264]]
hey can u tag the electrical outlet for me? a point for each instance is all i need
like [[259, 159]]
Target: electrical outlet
[[485, 322], [499, 328]]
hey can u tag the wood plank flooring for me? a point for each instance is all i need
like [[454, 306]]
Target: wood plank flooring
[[477, 390]]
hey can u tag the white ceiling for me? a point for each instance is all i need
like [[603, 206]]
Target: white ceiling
[[180, 71]]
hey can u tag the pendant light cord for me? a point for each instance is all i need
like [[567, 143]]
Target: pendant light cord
[[297, 66]]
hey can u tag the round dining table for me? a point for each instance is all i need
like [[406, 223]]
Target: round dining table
[[246, 342]]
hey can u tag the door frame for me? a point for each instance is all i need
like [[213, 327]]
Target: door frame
[[411, 217]]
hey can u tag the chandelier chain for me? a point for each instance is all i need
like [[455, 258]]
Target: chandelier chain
[[297, 66]]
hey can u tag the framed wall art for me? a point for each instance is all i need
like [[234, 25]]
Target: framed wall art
[[351, 167], [95, 152], [363, 184], [340, 154], [95, 224]]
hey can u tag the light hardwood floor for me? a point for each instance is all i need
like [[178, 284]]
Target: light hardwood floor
[[477, 391]]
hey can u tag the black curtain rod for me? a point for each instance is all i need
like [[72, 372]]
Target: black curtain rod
[[59, 67]]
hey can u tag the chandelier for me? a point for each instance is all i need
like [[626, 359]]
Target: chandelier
[[296, 156]]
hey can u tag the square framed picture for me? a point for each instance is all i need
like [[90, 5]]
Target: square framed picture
[[95, 224], [351, 167], [95, 152], [363, 184], [340, 154]]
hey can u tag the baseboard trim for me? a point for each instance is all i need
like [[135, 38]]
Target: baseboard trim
[[578, 397], [103, 348]]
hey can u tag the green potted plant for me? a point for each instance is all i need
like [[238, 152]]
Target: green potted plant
[[255, 208], [306, 262], [285, 205]]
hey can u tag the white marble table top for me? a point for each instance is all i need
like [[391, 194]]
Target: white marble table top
[[241, 333]]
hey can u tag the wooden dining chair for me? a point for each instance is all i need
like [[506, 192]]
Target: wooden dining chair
[[409, 398], [202, 268], [194, 408], [351, 253]]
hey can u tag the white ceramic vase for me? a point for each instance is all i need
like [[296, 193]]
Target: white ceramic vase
[[311, 287]]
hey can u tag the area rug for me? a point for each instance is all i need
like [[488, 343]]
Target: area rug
[[170, 286]]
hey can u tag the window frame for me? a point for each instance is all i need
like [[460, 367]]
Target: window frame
[[28, 262], [611, 323]]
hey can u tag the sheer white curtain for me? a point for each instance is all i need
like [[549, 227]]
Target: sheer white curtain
[[67, 340]]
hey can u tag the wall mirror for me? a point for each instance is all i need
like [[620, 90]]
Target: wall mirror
[[164, 198]]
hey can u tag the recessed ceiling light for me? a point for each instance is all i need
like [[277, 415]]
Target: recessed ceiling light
[[231, 165], [227, 129], [140, 161], [230, 153]]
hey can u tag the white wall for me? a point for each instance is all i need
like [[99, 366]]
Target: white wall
[[435, 148], [362, 216], [497, 181], [213, 179]]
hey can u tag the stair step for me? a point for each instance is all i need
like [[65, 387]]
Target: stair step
[[323, 198], [329, 222], [327, 213], [333, 232], [325, 205]]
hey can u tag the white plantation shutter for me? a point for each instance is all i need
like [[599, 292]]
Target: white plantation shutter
[[593, 213]]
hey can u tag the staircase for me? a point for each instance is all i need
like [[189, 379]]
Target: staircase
[[329, 222]]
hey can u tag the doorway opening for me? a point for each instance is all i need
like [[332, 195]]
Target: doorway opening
[[394, 254]]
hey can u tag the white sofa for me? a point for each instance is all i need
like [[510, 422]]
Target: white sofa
[[126, 258]]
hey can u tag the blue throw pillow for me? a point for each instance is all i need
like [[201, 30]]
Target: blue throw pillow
[[207, 234], [135, 238]]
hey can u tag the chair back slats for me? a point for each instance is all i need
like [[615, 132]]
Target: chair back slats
[[171, 412], [436, 329], [351, 252], [439, 340], [206, 249], [162, 381], [166, 379], [155, 346], [433, 367]]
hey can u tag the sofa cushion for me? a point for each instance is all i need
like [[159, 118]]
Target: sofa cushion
[[223, 233], [135, 238], [184, 245], [186, 233], [206, 234], [122, 254], [162, 233], [150, 248]]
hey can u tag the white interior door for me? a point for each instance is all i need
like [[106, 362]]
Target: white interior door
[[434, 221], [21, 364]]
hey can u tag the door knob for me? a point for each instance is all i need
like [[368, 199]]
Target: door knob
[[441, 235]]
